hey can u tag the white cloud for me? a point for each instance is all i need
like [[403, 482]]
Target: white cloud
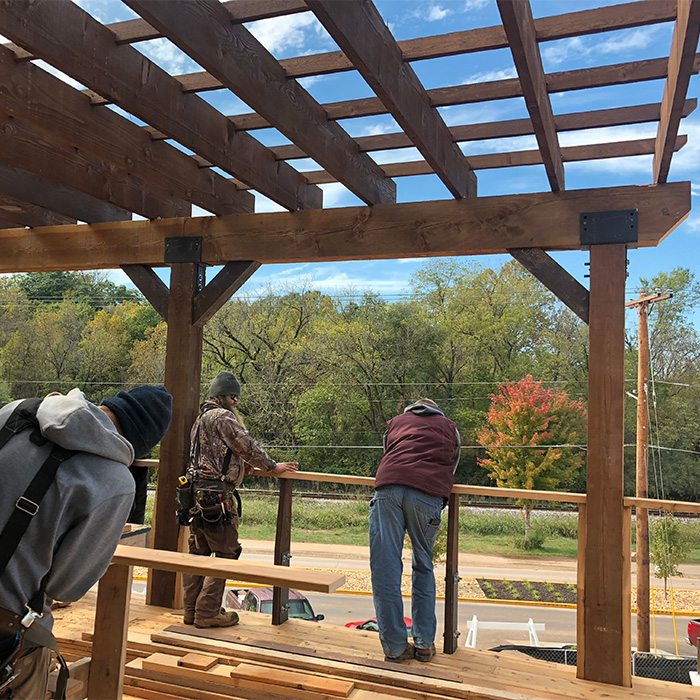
[[435, 13], [337, 195], [491, 75], [166, 55], [471, 5], [399, 155], [280, 34], [376, 129]]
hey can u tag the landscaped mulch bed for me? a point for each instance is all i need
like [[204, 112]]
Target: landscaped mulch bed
[[534, 591]]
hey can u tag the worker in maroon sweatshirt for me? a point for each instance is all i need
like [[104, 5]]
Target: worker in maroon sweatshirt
[[414, 480]]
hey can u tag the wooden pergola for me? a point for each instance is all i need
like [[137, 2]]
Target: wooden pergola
[[66, 157]]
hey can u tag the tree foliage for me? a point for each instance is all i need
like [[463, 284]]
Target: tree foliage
[[668, 547], [527, 432]]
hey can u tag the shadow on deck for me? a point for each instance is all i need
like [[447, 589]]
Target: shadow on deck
[[313, 661]]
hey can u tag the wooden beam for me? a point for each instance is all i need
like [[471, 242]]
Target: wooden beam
[[451, 624], [519, 26], [70, 39], [621, 16], [574, 121], [553, 276], [204, 31], [579, 79], [606, 611], [27, 214], [283, 550], [183, 368], [268, 574], [15, 182], [594, 151], [35, 96], [418, 229], [106, 675], [151, 286], [217, 292], [365, 39], [680, 68], [28, 148]]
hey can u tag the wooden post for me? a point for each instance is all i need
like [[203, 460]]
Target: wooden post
[[109, 642], [283, 543], [452, 579], [581, 584], [183, 361], [642, 464], [605, 621]]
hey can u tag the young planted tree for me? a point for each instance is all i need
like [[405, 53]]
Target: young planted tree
[[668, 547], [526, 435]]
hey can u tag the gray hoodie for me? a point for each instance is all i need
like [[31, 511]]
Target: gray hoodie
[[81, 517]]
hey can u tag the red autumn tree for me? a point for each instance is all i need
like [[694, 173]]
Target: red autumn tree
[[526, 427]]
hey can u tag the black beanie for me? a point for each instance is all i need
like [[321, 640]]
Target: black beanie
[[144, 415], [225, 384]]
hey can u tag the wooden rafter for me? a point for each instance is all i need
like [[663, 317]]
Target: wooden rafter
[[472, 226], [519, 26], [61, 199], [30, 149], [680, 67], [511, 159], [18, 213], [50, 104], [621, 16], [71, 40], [204, 31], [574, 121], [362, 34], [579, 79]]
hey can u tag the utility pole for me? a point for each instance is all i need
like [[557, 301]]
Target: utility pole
[[642, 520]]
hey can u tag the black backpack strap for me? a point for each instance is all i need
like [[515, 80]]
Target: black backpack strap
[[22, 418]]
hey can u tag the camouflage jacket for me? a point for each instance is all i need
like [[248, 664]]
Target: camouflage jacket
[[219, 430]]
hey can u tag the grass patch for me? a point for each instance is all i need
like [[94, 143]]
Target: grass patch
[[346, 522], [547, 592]]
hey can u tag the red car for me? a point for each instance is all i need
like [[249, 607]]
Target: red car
[[694, 632], [371, 625]]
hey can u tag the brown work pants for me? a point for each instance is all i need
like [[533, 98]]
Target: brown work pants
[[203, 594], [32, 671]]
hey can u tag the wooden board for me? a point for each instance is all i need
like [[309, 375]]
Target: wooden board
[[291, 679], [198, 661]]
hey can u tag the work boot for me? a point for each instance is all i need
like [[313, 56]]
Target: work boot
[[188, 617], [406, 655], [223, 619], [425, 654]]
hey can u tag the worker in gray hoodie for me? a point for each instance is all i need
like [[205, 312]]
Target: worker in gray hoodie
[[75, 528]]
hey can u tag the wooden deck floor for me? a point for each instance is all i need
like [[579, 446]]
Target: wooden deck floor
[[323, 652]]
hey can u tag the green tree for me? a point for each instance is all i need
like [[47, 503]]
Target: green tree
[[523, 416], [668, 547], [147, 357]]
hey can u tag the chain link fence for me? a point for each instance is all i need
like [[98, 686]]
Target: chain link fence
[[675, 669]]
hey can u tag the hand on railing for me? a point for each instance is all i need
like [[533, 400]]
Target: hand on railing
[[283, 467]]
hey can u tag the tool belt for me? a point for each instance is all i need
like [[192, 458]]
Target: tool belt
[[216, 503]]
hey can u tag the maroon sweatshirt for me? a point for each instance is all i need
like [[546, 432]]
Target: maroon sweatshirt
[[421, 449]]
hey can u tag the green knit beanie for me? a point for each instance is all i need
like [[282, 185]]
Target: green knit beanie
[[225, 384]]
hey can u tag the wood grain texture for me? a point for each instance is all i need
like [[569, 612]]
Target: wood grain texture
[[553, 276], [519, 26], [106, 674], [606, 615], [268, 574], [578, 79], [22, 213], [680, 68], [419, 229], [183, 368], [67, 116], [364, 38], [203, 30], [28, 187], [71, 40], [30, 149]]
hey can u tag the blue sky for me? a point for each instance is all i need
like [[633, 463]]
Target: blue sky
[[300, 34]]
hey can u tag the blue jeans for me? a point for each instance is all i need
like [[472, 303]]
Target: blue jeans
[[395, 510]]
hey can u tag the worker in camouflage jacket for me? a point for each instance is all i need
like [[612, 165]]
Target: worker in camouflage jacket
[[222, 453]]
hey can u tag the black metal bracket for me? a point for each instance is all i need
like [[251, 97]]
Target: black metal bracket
[[604, 227], [183, 249]]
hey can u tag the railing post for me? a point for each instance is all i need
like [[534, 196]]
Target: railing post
[[581, 589], [283, 542], [452, 577], [106, 678]]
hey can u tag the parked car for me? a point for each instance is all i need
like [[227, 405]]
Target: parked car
[[372, 626], [694, 632], [260, 600]]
